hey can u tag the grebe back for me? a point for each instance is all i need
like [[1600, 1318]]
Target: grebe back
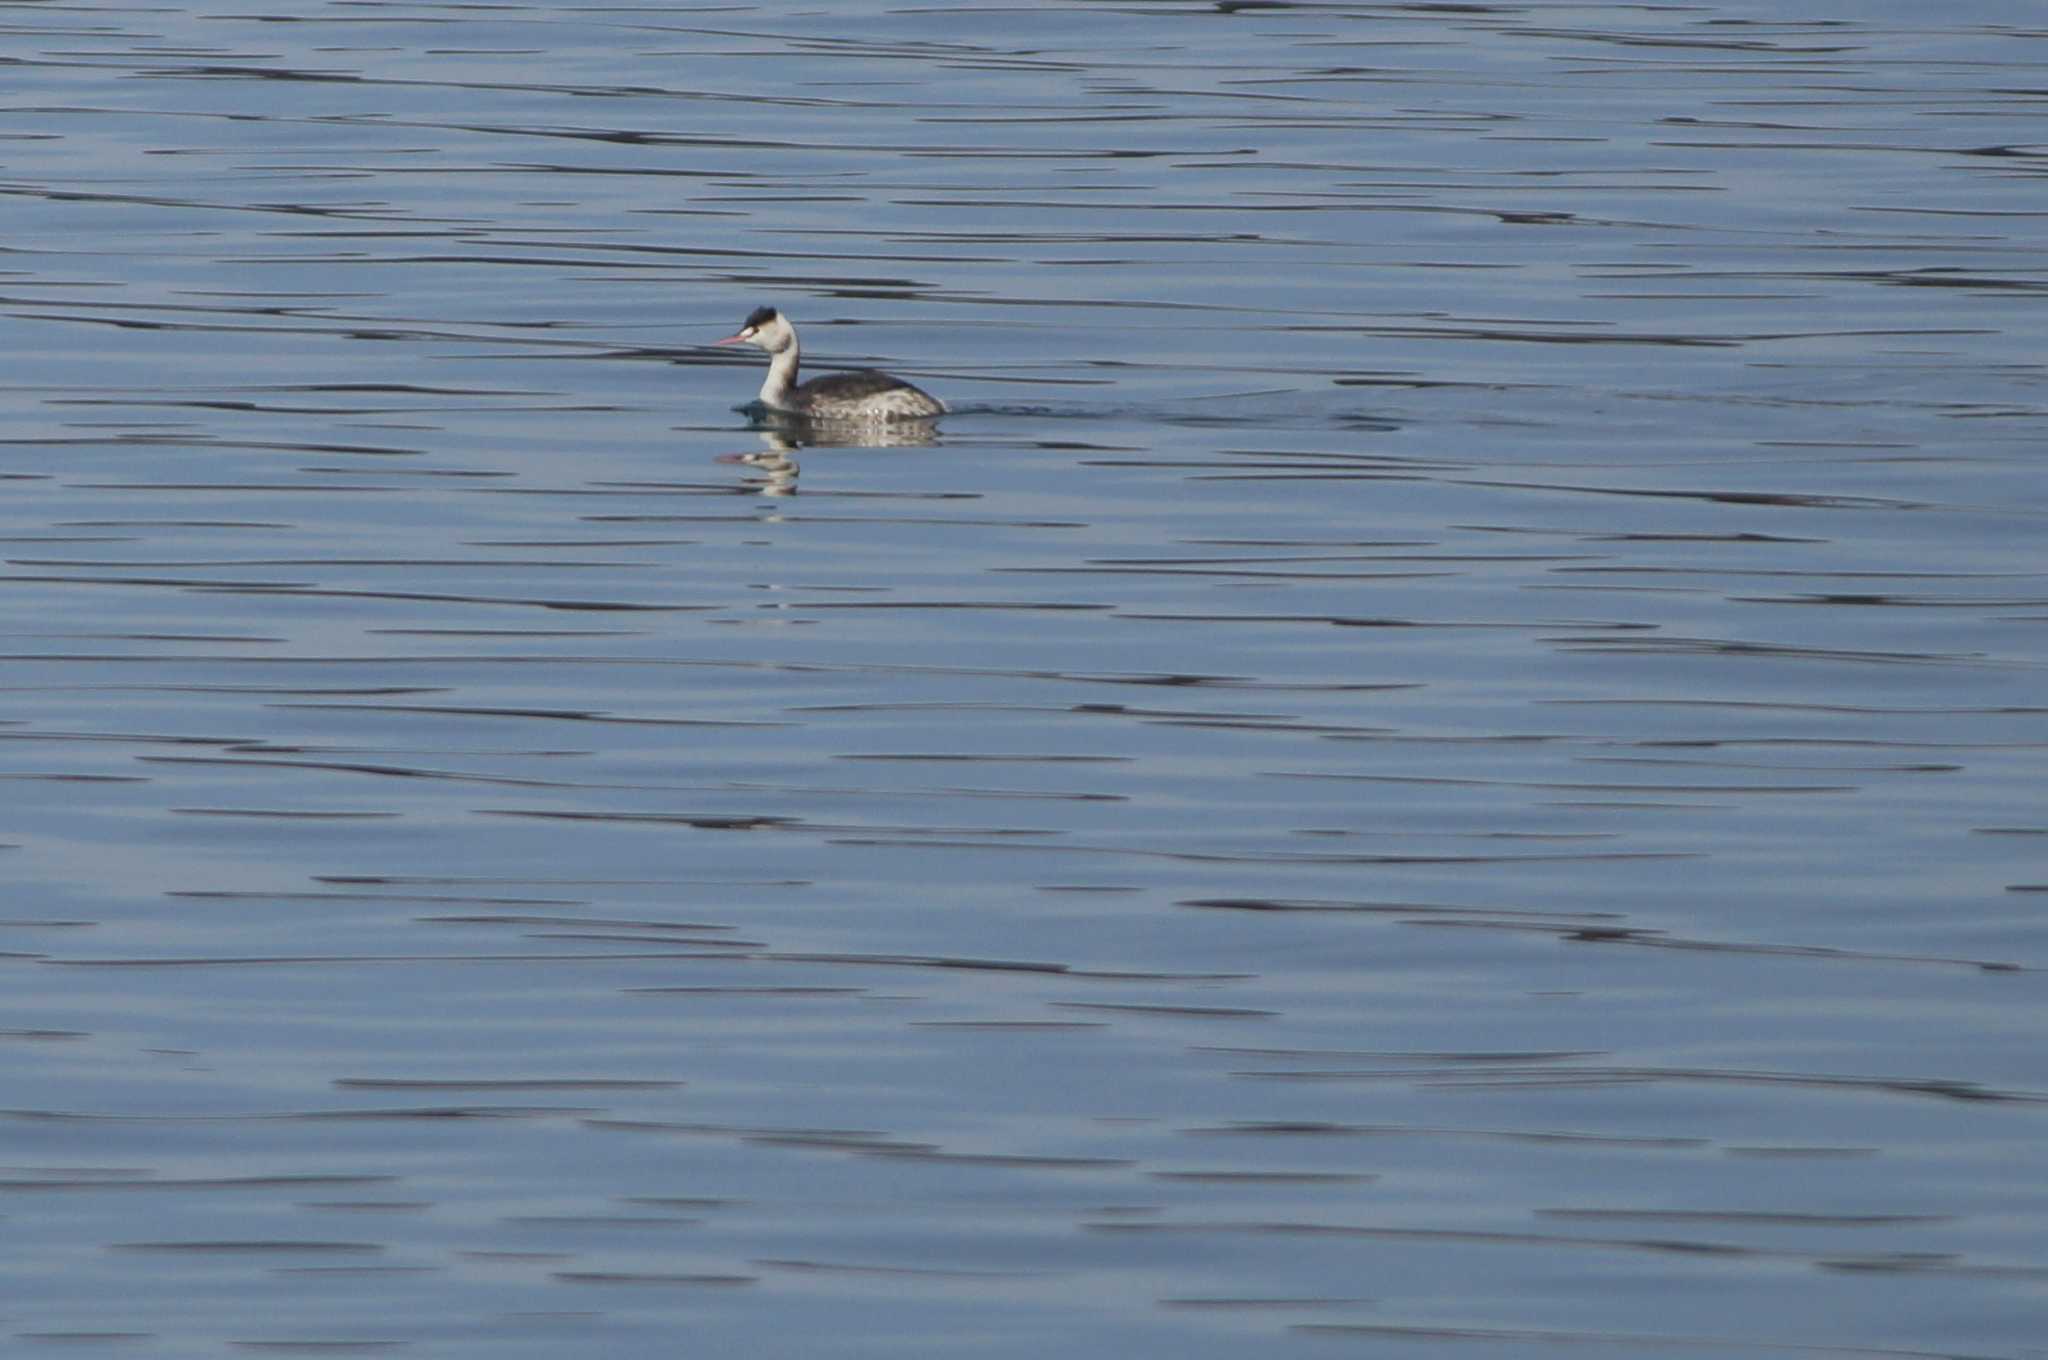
[[863, 395]]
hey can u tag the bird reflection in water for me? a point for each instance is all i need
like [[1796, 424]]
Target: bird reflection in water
[[778, 471], [782, 435]]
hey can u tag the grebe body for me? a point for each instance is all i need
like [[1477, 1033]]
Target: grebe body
[[863, 395]]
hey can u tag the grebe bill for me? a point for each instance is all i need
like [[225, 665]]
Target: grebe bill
[[865, 394]]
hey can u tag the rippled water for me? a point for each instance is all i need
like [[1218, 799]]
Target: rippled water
[[1444, 756]]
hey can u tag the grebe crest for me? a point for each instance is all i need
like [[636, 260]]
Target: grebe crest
[[863, 395]]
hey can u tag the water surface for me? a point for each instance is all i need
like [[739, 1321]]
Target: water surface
[[1442, 757]]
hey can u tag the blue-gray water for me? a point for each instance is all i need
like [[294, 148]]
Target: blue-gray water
[[1444, 756]]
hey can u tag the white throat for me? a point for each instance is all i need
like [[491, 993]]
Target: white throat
[[775, 388]]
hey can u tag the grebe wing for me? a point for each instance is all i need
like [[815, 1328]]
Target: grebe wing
[[853, 386], [865, 393]]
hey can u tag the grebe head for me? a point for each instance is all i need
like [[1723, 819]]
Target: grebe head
[[765, 329]]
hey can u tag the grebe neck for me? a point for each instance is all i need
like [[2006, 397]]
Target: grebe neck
[[781, 379]]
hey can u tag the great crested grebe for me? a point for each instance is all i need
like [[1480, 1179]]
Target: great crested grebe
[[863, 395]]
